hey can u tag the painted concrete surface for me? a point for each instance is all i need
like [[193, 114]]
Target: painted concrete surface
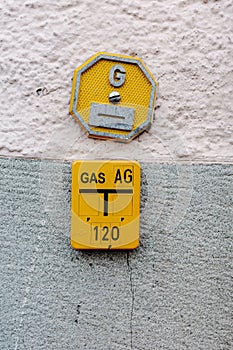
[[173, 292], [187, 44]]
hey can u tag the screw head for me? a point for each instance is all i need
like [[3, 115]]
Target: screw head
[[114, 97]]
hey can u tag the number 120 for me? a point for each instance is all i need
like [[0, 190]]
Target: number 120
[[106, 233]]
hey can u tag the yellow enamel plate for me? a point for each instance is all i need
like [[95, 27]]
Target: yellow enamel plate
[[113, 96], [105, 205]]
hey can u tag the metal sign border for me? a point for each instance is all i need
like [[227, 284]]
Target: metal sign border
[[127, 59]]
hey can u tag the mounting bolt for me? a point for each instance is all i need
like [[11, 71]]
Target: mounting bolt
[[114, 97]]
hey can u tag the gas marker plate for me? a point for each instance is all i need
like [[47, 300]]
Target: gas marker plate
[[105, 206], [113, 96]]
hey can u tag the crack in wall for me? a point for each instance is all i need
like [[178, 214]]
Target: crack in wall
[[133, 298]]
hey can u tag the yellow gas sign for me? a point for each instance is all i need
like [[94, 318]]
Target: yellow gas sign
[[105, 205], [113, 96]]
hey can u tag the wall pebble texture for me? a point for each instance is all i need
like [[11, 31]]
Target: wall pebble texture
[[187, 44]]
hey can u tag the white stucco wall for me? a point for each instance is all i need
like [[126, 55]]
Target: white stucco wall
[[186, 44]]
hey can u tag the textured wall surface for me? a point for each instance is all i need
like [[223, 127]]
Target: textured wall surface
[[187, 44], [172, 293]]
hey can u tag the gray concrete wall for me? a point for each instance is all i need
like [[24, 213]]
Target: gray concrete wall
[[173, 292]]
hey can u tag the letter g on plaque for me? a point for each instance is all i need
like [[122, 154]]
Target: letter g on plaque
[[113, 96]]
